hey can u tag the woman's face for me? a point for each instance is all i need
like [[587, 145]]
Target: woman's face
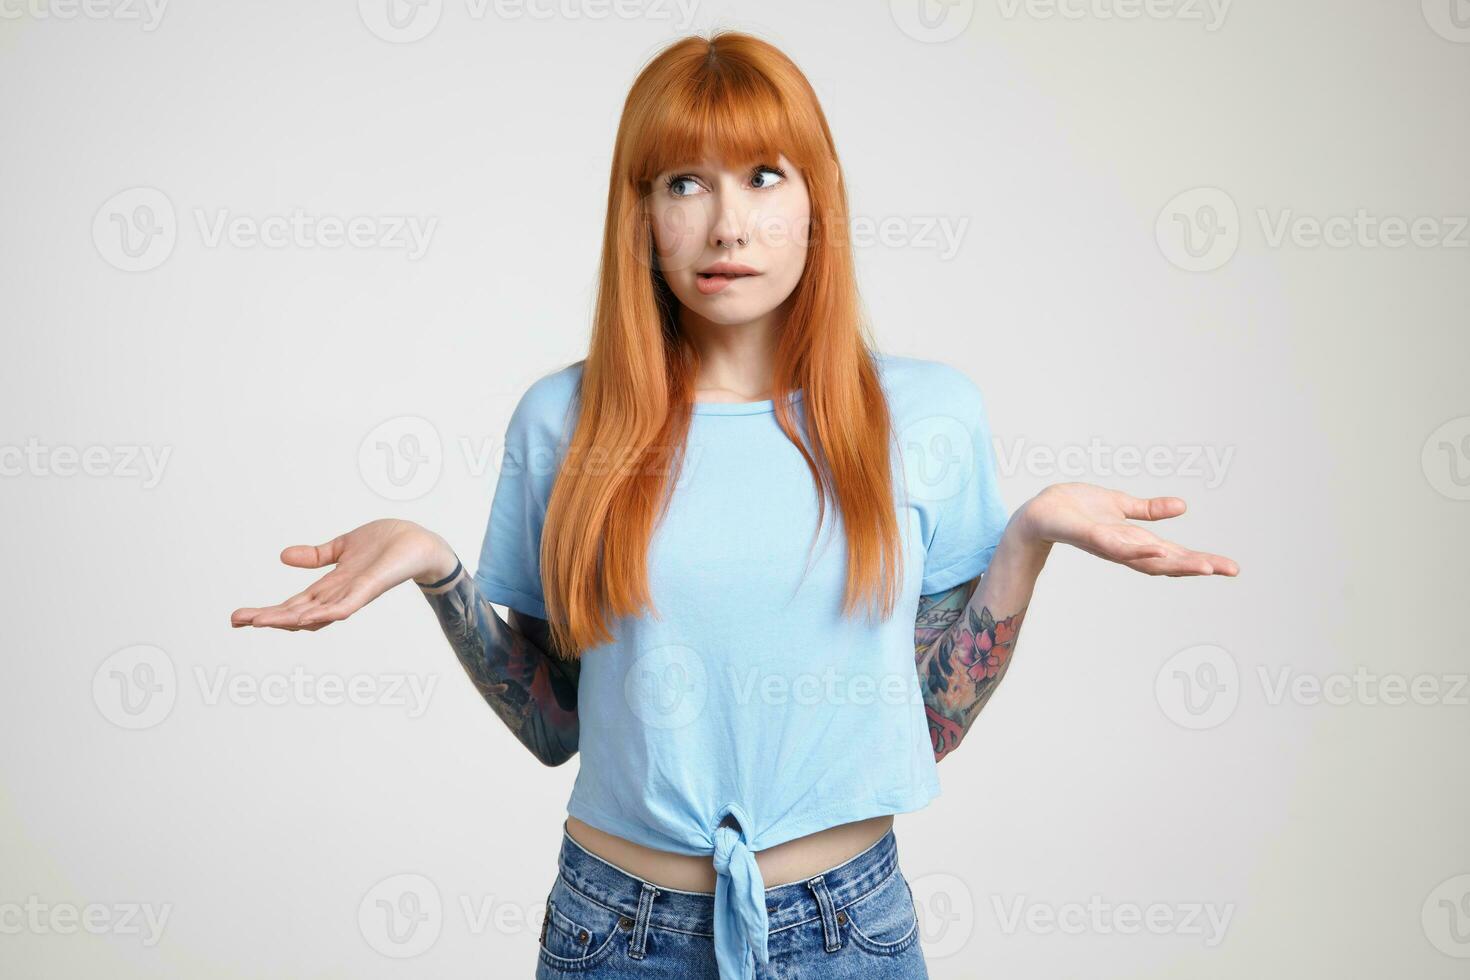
[[756, 218]]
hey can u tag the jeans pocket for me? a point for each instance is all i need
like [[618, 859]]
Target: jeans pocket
[[885, 921], [577, 933]]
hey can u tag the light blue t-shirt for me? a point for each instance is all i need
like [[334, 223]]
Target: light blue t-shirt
[[751, 697]]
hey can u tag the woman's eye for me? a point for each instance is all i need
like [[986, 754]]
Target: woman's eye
[[676, 184], [779, 174]]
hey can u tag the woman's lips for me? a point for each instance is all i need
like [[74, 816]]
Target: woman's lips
[[709, 285]]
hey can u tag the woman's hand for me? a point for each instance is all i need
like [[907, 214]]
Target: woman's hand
[[1095, 519], [370, 560]]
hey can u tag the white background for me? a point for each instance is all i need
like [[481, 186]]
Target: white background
[[1332, 834]]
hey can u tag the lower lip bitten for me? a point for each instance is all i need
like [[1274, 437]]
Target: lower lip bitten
[[713, 284]]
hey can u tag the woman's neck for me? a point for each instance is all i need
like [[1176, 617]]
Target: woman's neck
[[736, 360]]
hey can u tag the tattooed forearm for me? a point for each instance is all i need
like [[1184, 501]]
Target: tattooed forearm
[[962, 653], [532, 690], [938, 612]]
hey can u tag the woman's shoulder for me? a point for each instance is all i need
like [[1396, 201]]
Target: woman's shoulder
[[919, 387], [545, 407]]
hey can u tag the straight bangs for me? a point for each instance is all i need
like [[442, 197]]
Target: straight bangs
[[730, 113]]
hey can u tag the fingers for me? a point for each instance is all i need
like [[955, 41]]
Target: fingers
[[286, 614], [314, 556], [331, 587], [243, 616], [310, 610], [1170, 559], [1223, 565], [1184, 562], [1128, 551], [1125, 542], [277, 616]]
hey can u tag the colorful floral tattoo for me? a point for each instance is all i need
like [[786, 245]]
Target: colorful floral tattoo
[[962, 654]]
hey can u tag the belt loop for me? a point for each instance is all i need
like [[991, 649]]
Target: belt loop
[[638, 941], [831, 935]]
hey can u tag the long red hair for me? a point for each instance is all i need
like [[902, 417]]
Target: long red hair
[[739, 97]]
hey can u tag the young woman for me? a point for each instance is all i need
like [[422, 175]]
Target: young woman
[[726, 539]]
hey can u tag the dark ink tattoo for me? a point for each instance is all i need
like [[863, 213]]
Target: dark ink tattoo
[[512, 665]]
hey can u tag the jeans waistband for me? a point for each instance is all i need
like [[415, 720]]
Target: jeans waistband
[[787, 905]]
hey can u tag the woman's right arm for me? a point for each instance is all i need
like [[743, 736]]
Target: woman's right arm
[[531, 686], [533, 690]]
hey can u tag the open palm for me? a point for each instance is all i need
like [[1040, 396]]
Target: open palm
[[369, 561], [1096, 520]]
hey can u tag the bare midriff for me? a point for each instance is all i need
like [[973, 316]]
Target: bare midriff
[[793, 860]]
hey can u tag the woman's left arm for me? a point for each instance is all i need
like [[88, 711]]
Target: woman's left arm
[[964, 638]]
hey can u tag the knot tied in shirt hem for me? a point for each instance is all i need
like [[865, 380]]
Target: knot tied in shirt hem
[[741, 923]]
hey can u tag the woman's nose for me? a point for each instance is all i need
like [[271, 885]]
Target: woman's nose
[[731, 227]]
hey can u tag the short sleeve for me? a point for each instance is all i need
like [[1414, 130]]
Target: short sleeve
[[509, 571], [951, 463]]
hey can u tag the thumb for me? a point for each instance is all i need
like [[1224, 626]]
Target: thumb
[[314, 556], [1152, 508]]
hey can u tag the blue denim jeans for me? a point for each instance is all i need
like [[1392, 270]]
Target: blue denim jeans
[[854, 920]]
